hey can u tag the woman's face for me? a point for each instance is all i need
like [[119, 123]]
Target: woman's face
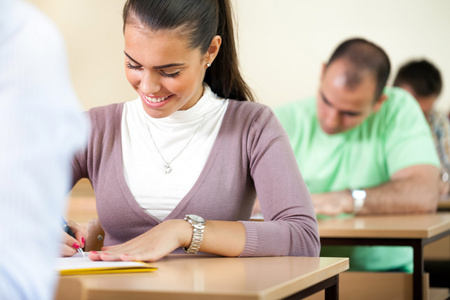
[[166, 73]]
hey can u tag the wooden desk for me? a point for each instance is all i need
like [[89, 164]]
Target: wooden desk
[[399, 230], [209, 277]]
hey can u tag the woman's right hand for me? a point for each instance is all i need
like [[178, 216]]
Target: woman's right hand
[[151, 245], [69, 244]]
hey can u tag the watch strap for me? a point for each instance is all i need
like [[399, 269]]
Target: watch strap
[[197, 235]]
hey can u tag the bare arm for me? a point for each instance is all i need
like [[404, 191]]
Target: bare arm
[[411, 190], [223, 238]]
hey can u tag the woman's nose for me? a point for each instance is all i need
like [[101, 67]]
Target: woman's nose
[[150, 83]]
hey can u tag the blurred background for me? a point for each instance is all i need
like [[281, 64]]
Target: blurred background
[[282, 43]]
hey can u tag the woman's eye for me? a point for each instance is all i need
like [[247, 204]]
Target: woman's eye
[[171, 75], [130, 66]]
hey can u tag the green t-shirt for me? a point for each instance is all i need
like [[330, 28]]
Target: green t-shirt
[[395, 137]]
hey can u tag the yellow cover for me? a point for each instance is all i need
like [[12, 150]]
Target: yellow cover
[[77, 265]]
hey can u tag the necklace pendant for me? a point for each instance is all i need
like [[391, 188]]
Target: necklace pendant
[[167, 169]]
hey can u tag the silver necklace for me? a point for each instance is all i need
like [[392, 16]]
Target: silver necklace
[[167, 167]]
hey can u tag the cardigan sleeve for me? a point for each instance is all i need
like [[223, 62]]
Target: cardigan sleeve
[[79, 169], [105, 123], [290, 226]]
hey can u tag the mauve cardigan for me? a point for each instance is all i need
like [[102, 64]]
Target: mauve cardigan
[[251, 155]]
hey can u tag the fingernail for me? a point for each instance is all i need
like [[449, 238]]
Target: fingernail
[[76, 246], [83, 240], [95, 252]]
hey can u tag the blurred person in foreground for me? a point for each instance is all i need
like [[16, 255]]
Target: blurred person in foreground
[[41, 128]]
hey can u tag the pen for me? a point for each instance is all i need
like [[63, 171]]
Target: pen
[[68, 231]]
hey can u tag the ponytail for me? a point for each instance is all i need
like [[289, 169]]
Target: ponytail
[[224, 76]]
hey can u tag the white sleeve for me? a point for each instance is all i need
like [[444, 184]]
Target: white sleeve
[[41, 127]]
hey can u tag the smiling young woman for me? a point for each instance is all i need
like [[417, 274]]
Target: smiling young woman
[[180, 166]]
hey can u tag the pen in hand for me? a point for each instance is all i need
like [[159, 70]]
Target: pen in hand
[[66, 228]]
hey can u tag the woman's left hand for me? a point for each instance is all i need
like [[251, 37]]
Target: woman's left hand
[[150, 246]]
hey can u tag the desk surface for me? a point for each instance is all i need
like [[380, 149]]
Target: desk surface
[[208, 277], [386, 226]]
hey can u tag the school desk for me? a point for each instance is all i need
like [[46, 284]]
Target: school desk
[[210, 277], [389, 230]]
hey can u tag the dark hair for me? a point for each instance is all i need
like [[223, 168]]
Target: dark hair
[[200, 21], [422, 76], [364, 55]]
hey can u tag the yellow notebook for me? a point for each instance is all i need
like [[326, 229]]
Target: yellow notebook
[[77, 265]]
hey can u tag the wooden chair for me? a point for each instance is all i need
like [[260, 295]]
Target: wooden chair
[[96, 235]]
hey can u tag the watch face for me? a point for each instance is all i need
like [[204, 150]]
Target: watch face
[[196, 218], [359, 194]]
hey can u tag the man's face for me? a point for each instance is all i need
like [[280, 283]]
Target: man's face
[[340, 107]]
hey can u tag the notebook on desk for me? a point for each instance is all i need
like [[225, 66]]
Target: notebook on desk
[[77, 265]]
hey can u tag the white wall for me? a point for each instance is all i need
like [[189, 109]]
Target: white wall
[[282, 43]]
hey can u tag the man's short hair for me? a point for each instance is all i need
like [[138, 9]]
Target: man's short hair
[[422, 76], [364, 56]]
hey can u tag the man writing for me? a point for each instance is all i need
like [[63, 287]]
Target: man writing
[[363, 148]]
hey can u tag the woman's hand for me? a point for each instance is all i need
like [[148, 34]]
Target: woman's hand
[[150, 246], [69, 244]]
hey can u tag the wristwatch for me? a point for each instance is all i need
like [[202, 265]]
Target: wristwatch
[[444, 176], [198, 225], [359, 196]]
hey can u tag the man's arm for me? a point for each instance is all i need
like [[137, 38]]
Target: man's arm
[[411, 190]]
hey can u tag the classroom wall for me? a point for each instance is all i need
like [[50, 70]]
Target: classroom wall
[[282, 43]]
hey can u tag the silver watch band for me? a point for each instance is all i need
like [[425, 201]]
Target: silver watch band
[[198, 226]]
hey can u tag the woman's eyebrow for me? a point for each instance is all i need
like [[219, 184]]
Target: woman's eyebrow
[[157, 67], [131, 58]]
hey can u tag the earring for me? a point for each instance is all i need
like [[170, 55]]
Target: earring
[[208, 65]]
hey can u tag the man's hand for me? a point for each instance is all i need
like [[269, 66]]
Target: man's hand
[[411, 190], [333, 203]]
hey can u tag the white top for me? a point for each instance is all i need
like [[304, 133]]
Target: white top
[[157, 192], [41, 126]]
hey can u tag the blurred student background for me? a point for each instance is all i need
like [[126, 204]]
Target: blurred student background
[[363, 148], [423, 81], [41, 127]]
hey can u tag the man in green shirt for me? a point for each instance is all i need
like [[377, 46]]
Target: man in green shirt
[[363, 149]]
